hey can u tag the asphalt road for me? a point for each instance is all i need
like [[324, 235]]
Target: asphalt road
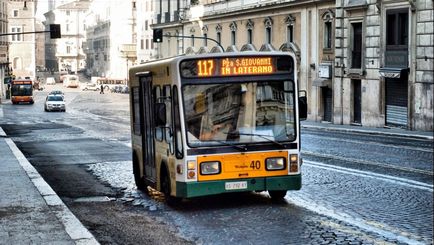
[[357, 189]]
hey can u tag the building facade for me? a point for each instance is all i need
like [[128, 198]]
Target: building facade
[[67, 53], [384, 64], [111, 38], [22, 47], [361, 62], [145, 45]]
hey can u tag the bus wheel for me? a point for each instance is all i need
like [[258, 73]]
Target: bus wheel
[[277, 195], [165, 188], [140, 183]]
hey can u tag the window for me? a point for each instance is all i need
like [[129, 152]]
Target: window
[[290, 34], [142, 43], [328, 35], [250, 24], [233, 37], [167, 99], [15, 13], [205, 40], [233, 27], [159, 134], [268, 24], [136, 111], [218, 30], [68, 49], [192, 40], [177, 125], [290, 23], [16, 37], [328, 29], [397, 27], [268, 35], [356, 52], [249, 36], [68, 12]]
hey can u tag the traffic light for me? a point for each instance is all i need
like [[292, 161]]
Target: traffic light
[[55, 31], [157, 36]]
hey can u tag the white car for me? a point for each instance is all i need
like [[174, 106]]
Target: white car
[[90, 86], [50, 81], [55, 103]]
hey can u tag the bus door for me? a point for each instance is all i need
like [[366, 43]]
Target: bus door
[[148, 147]]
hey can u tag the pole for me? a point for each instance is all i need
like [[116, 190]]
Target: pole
[[207, 38], [22, 33]]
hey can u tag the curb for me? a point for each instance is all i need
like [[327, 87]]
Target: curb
[[73, 227], [367, 131]]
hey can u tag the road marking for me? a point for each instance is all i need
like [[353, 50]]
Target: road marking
[[379, 164], [367, 174]]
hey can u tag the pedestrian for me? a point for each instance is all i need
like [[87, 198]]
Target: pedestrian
[[102, 89]]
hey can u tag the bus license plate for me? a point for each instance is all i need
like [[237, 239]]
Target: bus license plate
[[236, 185]]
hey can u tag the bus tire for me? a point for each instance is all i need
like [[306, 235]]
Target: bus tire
[[277, 195], [165, 188], [140, 182]]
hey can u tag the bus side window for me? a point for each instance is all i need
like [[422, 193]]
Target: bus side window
[[177, 125], [159, 133], [136, 110], [167, 96]]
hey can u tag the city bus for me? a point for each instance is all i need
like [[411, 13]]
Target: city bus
[[22, 91], [217, 123]]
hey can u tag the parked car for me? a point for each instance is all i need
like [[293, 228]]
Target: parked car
[[50, 81], [124, 89], [55, 103], [89, 86]]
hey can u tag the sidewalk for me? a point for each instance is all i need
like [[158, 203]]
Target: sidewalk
[[368, 130], [30, 211]]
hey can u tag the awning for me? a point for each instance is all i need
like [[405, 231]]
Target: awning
[[392, 72], [322, 82]]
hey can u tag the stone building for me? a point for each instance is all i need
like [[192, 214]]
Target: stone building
[[111, 38], [67, 53], [21, 18], [384, 63], [305, 28], [361, 62]]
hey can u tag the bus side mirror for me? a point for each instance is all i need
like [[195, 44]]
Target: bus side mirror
[[160, 115], [302, 106]]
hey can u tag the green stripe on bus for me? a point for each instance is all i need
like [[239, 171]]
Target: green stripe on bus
[[205, 188]]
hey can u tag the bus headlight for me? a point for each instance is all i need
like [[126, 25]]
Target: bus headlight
[[207, 168], [275, 163]]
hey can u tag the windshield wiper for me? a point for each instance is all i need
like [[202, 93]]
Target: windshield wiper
[[228, 144], [258, 135]]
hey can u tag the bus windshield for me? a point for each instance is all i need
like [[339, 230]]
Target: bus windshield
[[239, 113], [21, 90]]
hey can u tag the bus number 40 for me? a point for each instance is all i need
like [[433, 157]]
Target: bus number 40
[[255, 165]]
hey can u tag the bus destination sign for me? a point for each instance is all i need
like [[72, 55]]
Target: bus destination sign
[[239, 66]]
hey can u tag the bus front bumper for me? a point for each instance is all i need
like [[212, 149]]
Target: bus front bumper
[[205, 188]]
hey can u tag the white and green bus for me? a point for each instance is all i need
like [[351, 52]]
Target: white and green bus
[[217, 123]]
